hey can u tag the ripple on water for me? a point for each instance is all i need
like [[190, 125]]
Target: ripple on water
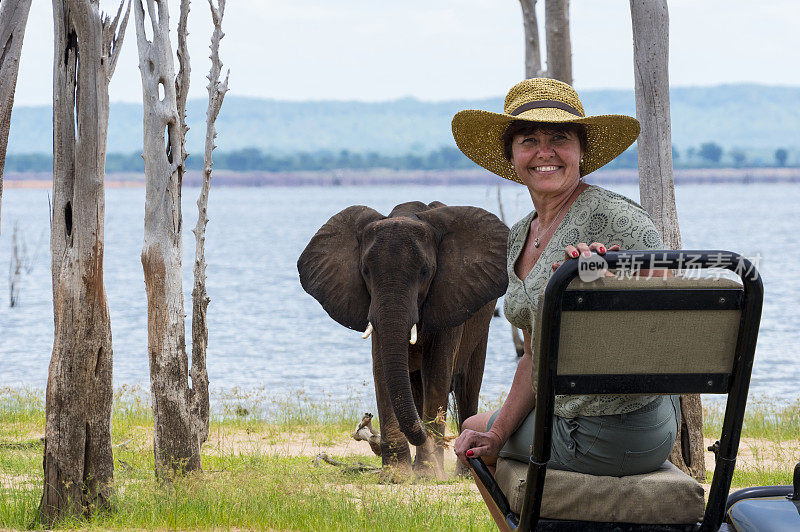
[[266, 333]]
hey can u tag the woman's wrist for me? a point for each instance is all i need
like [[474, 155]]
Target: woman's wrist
[[499, 437]]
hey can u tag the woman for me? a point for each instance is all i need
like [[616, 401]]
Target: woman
[[544, 141]]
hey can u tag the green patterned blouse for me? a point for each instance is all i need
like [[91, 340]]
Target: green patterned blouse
[[596, 215]]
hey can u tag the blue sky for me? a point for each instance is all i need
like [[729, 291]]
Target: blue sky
[[374, 50]]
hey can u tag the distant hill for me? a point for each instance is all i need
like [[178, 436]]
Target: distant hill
[[755, 118]]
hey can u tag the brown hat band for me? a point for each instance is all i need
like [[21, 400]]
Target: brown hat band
[[545, 103]]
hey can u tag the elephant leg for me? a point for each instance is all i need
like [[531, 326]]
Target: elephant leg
[[416, 390], [466, 391], [467, 384], [395, 452], [437, 374]]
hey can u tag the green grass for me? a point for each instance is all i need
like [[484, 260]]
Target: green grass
[[764, 418], [743, 478], [277, 492], [762, 460], [247, 489], [259, 487]]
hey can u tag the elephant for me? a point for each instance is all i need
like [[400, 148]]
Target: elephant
[[423, 282]]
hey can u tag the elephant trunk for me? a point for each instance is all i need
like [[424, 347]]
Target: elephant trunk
[[392, 343]]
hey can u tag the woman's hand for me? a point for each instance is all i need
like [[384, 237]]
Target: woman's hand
[[472, 444], [573, 252]]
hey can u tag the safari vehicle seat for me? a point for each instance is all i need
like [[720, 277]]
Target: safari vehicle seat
[[657, 335], [667, 496]]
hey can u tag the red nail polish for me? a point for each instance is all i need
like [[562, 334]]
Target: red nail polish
[[602, 249], [574, 254], [470, 453]]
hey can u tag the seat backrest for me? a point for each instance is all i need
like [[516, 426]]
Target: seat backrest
[[621, 334], [645, 335]]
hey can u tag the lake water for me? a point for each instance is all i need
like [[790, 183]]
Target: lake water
[[266, 333]]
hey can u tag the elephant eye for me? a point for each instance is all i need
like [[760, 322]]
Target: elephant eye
[[365, 271], [425, 271]]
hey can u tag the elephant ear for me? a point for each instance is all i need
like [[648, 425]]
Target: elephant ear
[[471, 264], [330, 266]]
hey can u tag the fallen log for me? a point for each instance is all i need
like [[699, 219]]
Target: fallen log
[[348, 468]]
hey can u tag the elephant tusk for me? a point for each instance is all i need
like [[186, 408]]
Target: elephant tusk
[[368, 331], [413, 334]]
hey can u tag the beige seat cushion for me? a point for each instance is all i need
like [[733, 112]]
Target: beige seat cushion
[[666, 496]]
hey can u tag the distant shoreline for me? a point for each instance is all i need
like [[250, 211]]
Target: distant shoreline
[[382, 176]]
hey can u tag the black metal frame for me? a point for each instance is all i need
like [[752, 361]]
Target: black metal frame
[[735, 384]]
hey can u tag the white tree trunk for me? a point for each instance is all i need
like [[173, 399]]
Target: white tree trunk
[[175, 445], [651, 54], [533, 57], [13, 18], [200, 299], [650, 20], [78, 462], [559, 47], [180, 410]]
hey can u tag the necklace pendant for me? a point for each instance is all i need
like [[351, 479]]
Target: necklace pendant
[[536, 242]]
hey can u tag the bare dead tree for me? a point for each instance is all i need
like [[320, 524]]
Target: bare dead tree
[[15, 266], [180, 409], [557, 39], [175, 444], [516, 337], [533, 56], [78, 462], [650, 20], [200, 299], [21, 262], [559, 48], [651, 54], [13, 19]]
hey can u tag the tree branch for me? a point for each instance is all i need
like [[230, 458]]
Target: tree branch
[[13, 19], [184, 73], [200, 299], [557, 38], [533, 58], [516, 338], [366, 432], [357, 468], [112, 41]]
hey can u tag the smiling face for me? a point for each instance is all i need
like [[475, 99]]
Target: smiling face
[[548, 162]]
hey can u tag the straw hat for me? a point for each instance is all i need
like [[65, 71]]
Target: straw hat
[[479, 133]]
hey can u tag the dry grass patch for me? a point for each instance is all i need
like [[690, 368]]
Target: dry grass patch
[[759, 453], [222, 442]]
